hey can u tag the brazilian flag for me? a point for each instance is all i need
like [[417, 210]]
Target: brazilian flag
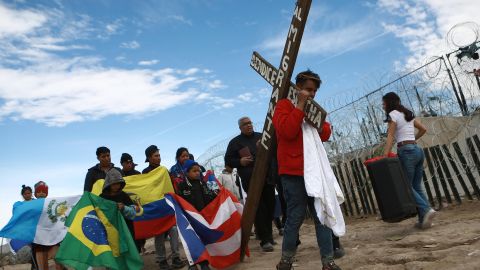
[[98, 236]]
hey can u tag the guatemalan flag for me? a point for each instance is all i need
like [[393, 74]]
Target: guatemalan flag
[[149, 189], [40, 221], [213, 234]]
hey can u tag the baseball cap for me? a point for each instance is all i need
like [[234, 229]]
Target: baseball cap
[[127, 157]]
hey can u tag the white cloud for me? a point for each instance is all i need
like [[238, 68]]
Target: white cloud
[[216, 84], [30, 39], [39, 84], [190, 71], [323, 43], [265, 92], [320, 40], [246, 97], [425, 24], [59, 97], [130, 45], [17, 22], [120, 58], [113, 28], [148, 62]]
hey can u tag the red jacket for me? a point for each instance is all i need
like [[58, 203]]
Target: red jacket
[[287, 121]]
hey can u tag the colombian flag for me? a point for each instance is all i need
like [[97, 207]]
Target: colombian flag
[[150, 189], [97, 236]]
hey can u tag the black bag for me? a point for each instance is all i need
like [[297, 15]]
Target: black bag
[[392, 190]]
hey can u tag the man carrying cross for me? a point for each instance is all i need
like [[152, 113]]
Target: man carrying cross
[[306, 176]]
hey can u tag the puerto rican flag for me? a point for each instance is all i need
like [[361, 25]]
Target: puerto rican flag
[[213, 234]]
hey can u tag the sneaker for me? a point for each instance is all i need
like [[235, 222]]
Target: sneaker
[[267, 247], [274, 242], [338, 252], [428, 218], [177, 263], [331, 266], [284, 265], [418, 225], [163, 265]]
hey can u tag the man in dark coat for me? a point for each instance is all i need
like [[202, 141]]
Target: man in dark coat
[[99, 171], [240, 154]]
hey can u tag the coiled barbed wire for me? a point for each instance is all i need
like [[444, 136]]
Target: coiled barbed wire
[[359, 131]]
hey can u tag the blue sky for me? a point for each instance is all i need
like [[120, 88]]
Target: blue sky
[[75, 75]]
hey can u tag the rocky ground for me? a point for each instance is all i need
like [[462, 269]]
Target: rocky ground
[[453, 243]]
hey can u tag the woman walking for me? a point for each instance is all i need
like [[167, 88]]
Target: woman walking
[[401, 126]]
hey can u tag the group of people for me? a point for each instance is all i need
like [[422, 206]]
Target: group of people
[[187, 180], [286, 179]]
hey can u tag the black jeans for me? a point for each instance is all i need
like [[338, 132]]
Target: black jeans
[[283, 203], [264, 216]]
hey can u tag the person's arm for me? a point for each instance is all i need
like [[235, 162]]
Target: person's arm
[[325, 132], [232, 158], [221, 180], [287, 121], [421, 129], [390, 134], [88, 185], [129, 212]]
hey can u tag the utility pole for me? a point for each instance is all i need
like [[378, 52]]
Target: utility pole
[[460, 91], [460, 103]]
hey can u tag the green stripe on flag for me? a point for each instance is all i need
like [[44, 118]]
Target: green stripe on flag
[[98, 236]]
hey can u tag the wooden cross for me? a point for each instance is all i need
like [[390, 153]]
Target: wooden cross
[[280, 80]]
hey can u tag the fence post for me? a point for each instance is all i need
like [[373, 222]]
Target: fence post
[[347, 196], [352, 189], [367, 185], [457, 172], [344, 206], [359, 188], [434, 177], [447, 173], [466, 168], [427, 187], [440, 175]]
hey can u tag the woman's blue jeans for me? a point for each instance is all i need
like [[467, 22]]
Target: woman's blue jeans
[[411, 156]]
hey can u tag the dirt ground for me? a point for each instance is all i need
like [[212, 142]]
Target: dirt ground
[[453, 243]]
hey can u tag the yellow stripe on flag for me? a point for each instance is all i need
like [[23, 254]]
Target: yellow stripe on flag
[[78, 231], [148, 187]]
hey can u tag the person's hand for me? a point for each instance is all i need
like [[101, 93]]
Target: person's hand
[[120, 206], [302, 97], [245, 161], [137, 205]]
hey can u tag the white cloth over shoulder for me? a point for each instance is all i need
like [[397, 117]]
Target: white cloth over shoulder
[[320, 181]]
